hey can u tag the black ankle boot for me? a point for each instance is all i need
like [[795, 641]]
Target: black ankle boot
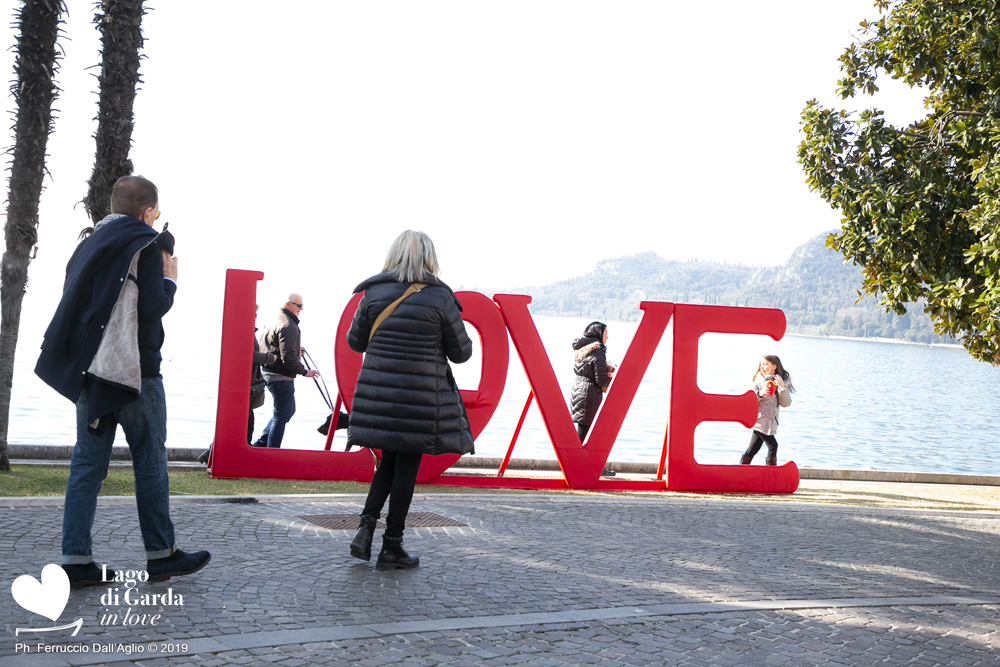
[[393, 556], [361, 546], [771, 462], [745, 461]]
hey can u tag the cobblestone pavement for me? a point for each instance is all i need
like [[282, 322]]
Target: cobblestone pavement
[[545, 580]]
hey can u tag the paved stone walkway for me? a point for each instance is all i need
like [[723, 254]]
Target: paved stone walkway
[[541, 580]]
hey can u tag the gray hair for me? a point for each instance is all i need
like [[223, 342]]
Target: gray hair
[[411, 257], [293, 297]]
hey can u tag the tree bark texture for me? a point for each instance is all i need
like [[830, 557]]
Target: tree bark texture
[[120, 24], [33, 91]]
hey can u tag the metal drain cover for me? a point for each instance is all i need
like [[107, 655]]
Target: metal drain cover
[[350, 521]]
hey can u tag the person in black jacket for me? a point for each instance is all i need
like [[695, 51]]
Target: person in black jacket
[[102, 351], [281, 339], [593, 375], [406, 403]]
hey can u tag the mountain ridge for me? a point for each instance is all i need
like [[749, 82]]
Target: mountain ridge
[[817, 291]]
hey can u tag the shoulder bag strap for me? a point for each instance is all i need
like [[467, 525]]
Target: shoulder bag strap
[[412, 289]]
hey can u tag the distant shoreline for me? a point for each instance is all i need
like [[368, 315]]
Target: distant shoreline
[[874, 339], [871, 339]]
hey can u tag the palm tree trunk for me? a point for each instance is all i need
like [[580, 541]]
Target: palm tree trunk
[[34, 91], [120, 24]]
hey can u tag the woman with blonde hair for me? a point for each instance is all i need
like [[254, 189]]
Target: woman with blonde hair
[[406, 403]]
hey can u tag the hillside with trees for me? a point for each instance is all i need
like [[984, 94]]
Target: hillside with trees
[[814, 288]]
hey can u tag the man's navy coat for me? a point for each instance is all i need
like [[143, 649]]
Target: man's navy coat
[[95, 276]]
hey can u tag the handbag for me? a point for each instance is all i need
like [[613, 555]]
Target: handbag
[[257, 396], [412, 289]]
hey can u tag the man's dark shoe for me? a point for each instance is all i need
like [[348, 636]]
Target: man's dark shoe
[[607, 472], [203, 458], [176, 564], [88, 574]]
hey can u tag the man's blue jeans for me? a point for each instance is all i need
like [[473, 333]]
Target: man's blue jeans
[[144, 422], [283, 397]]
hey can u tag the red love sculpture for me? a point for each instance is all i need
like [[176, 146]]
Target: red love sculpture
[[581, 464]]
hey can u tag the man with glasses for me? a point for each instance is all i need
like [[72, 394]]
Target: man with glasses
[[282, 339], [102, 351]]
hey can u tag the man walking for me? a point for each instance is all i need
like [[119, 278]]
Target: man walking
[[282, 339], [102, 351]]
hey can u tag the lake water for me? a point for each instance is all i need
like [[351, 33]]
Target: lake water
[[859, 404]]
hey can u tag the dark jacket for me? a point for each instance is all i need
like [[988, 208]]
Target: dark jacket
[[259, 358], [283, 339], [96, 278], [591, 368], [406, 398]]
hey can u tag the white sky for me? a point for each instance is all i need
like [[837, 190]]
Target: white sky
[[529, 139]]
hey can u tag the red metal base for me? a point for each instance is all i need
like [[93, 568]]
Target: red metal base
[[491, 482]]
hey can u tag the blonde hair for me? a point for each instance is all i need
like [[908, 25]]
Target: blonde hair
[[411, 256]]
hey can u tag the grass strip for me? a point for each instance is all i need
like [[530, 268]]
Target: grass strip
[[44, 480]]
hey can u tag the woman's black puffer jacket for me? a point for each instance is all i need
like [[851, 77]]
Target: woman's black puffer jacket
[[591, 368], [406, 398]]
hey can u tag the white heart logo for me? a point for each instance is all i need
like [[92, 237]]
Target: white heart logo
[[48, 598]]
